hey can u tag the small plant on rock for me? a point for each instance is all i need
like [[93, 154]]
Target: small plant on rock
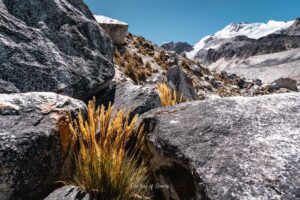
[[104, 155], [168, 97]]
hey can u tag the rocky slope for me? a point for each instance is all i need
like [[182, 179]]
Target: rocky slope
[[144, 63], [266, 50]]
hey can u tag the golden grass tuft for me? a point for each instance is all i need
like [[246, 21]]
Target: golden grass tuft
[[168, 97], [104, 155], [135, 67]]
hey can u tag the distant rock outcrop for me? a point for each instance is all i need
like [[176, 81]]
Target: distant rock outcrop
[[31, 157], [53, 46], [228, 148], [294, 29], [285, 83], [178, 47], [116, 29]]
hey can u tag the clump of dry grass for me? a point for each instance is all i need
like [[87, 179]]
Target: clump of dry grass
[[118, 59], [104, 155], [134, 66], [137, 75], [168, 97]]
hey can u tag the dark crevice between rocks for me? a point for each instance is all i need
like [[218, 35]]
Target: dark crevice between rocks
[[173, 178]]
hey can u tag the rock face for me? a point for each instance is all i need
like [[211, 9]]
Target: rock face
[[244, 47], [116, 29], [129, 96], [7, 87], [69, 193], [267, 67], [178, 47], [30, 150], [229, 148], [294, 29], [180, 82], [53, 46]]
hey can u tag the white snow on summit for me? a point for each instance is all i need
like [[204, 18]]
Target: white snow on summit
[[107, 20], [251, 30], [255, 30]]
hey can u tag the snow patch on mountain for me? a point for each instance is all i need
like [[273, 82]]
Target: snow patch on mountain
[[255, 30], [250, 30]]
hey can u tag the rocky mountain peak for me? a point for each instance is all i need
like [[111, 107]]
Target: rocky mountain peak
[[178, 47]]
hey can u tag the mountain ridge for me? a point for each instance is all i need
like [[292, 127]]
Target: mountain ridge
[[237, 46]]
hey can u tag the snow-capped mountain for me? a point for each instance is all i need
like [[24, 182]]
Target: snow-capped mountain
[[259, 50], [250, 30]]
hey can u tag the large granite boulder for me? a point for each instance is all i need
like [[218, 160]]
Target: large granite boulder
[[125, 94], [69, 192], [116, 29], [53, 45], [30, 149], [228, 148], [180, 82]]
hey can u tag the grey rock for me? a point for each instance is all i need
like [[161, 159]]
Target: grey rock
[[214, 82], [30, 152], [116, 29], [224, 74], [55, 46], [180, 82], [232, 76], [228, 148], [196, 70], [257, 82], [285, 83], [241, 83], [69, 192], [294, 29], [7, 87], [132, 97], [178, 47]]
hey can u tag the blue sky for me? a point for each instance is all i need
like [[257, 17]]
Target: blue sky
[[189, 20]]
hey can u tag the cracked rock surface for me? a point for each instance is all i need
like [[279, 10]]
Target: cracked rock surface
[[53, 46], [230, 148], [30, 152]]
